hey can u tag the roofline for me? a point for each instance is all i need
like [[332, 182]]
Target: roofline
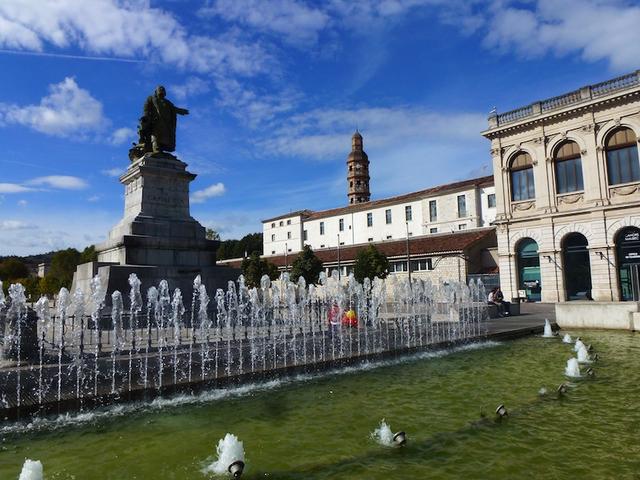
[[419, 194], [297, 213]]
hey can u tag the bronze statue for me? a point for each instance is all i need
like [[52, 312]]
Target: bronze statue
[[157, 128]]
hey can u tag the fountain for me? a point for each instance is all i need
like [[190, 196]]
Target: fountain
[[548, 332], [567, 338], [578, 345], [583, 355], [573, 368], [31, 470], [230, 457], [383, 434], [93, 353]]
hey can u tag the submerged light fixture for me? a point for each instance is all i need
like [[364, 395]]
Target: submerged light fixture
[[562, 389], [501, 411], [590, 372], [400, 439], [236, 468]]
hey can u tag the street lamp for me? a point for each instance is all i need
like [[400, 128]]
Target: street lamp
[[408, 253], [339, 269]]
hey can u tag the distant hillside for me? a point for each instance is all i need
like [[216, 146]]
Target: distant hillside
[[32, 261]]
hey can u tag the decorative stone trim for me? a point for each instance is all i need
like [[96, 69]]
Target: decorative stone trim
[[523, 206], [571, 198], [624, 190]]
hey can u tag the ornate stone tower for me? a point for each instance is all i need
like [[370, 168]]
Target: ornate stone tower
[[358, 172]]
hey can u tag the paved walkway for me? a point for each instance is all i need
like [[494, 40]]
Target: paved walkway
[[530, 320]]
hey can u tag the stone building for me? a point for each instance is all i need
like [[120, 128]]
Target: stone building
[[430, 223], [567, 184]]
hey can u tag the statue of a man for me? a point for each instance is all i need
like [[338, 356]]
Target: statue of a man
[[160, 117]]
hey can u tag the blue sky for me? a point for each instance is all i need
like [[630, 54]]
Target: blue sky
[[275, 89]]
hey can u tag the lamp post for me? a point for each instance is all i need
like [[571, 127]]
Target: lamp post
[[408, 254], [339, 269]]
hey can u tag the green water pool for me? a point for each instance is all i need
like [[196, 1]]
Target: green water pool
[[319, 427]]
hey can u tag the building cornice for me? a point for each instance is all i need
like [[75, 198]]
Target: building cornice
[[584, 99]]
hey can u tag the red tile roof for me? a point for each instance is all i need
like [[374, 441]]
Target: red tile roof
[[435, 244]]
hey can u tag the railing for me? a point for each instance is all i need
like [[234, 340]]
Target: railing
[[515, 115], [560, 101], [572, 98], [620, 83]]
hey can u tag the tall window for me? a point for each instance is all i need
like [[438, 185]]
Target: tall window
[[273, 237], [622, 157], [321, 228], [433, 211], [341, 224], [369, 219], [522, 187], [568, 168], [288, 222], [462, 206], [408, 215], [491, 200], [289, 235], [304, 235], [387, 215]]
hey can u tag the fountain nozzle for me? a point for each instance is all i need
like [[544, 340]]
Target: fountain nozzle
[[501, 411], [400, 439], [562, 389], [236, 468], [590, 372]]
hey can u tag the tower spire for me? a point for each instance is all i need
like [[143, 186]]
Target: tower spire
[[358, 171]]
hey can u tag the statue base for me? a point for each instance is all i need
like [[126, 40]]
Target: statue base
[[157, 237]]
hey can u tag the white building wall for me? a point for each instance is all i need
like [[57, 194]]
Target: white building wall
[[356, 230], [282, 235]]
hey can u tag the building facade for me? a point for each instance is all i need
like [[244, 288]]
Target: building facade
[[567, 185], [427, 222]]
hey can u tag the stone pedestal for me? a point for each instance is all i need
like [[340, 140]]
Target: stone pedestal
[[157, 238]]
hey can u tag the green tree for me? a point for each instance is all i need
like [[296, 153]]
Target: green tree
[[12, 269], [306, 265], [212, 234], [370, 263], [89, 254], [49, 285], [63, 266], [253, 268]]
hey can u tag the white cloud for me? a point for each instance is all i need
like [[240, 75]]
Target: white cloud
[[294, 20], [124, 29], [215, 190], [13, 188], [22, 203], [15, 225], [68, 111], [93, 198], [63, 182], [322, 134], [53, 231], [253, 107], [594, 29], [191, 87], [113, 172], [122, 135]]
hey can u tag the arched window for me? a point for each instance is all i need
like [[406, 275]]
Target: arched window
[[622, 157], [568, 168], [522, 187]]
